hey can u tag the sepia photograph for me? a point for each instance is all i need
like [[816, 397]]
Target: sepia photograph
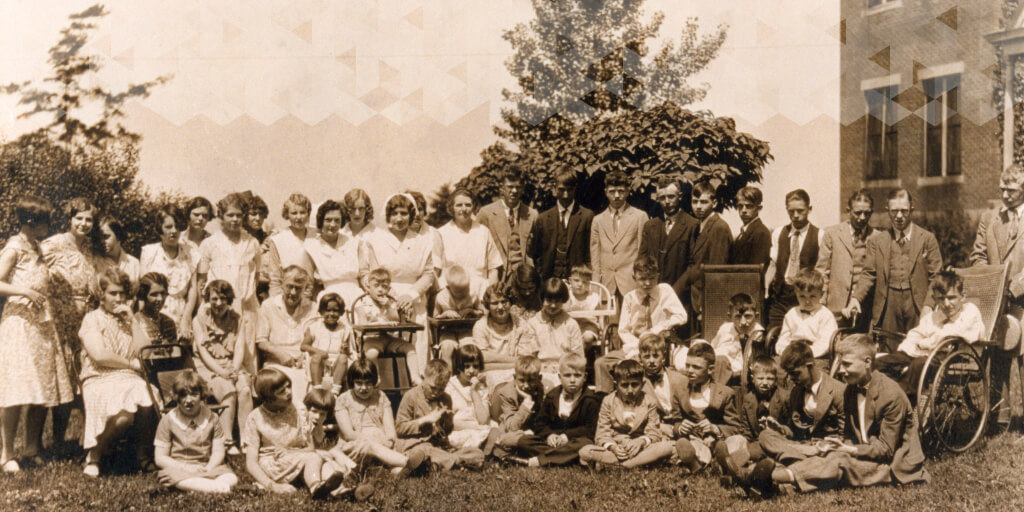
[[520, 255]]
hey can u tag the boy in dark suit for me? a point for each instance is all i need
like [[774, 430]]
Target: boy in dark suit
[[751, 407], [710, 247], [667, 240], [794, 247], [880, 442], [560, 238], [566, 420], [814, 410], [753, 245], [701, 405]]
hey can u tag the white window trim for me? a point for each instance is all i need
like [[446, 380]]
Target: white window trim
[[879, 82], [887, 6], [883, 183], [952, 69]]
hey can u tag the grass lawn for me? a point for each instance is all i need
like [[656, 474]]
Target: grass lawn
[[988, 478]]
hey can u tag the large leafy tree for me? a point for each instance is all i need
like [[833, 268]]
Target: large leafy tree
[[581, 59], [599, 89]]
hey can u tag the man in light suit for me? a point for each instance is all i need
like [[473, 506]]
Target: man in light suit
[[560, 238], [998, 243], [667, 240], [900, 264], [842, 253], [615, 238], [510, 221]]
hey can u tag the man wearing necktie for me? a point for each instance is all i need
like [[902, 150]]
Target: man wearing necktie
[[794, 247], [615, 238], [842, 253], [668, 239], [510, 221], [997, 243], [900, 264], [880, 443], [560, 239]]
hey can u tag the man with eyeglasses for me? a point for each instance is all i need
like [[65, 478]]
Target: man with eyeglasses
[[998, 243], [842, 254], [900, 263]]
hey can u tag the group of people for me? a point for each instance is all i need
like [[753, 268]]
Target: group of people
[[270, 317]]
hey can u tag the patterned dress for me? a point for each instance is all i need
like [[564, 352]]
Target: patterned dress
[[283, 440], [109, 391], [73, 271], [35, 370], [366, 417]]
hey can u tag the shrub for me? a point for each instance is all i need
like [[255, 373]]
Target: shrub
[[35, 164], [955, 232]]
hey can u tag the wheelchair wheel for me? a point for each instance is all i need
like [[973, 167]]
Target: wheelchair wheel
[[957, 409]]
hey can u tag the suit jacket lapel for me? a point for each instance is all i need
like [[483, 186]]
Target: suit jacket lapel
[[1004, 240], [574, 222], [750, 406], [501, 228], [824, 400], [677, 231], [846, 236]]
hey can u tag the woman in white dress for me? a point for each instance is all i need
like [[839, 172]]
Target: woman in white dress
[[406, 254], [335, 255], [112, 234], [469, 244], [287, 246], [178, 263], [198, 211]]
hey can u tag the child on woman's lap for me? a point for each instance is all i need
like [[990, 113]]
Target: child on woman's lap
[[278, 445], [189, 444]]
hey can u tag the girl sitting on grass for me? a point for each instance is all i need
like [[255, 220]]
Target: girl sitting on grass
[[366, 420], [470, 405], [189, 445], [278, 445]]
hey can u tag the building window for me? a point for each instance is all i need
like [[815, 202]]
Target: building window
[[881, 127], [942, 126]]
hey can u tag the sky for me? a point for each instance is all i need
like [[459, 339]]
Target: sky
[[323, 96]]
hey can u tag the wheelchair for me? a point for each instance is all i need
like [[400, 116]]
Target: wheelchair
[[955, 397]]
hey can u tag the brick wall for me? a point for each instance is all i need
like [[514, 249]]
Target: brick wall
[[919, 43]]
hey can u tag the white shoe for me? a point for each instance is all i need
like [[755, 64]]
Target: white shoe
[[11, 466], [233, 450], [91, 470]]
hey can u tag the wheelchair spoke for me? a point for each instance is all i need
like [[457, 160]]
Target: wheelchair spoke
[[959, 404]]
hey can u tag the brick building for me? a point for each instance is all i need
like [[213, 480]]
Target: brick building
[[916, 89]]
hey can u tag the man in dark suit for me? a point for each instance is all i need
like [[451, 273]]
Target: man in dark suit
[[900, 264], [510, 221], [753, 245], [880, 442], [794, 248], [842, 254], [710, 247], [560, 239], [667, 239]]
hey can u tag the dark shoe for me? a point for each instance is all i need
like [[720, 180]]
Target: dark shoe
[[721, 454], [761, 477], [322, 489], [414, 465]]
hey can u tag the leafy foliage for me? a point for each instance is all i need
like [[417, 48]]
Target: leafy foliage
[[955, 231], [581, 59], [63, 93], [645, 144], [438, 206], [36, 164]]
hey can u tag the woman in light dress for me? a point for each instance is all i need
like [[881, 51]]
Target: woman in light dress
[[334, 254], [469, 244], [178, 263]]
